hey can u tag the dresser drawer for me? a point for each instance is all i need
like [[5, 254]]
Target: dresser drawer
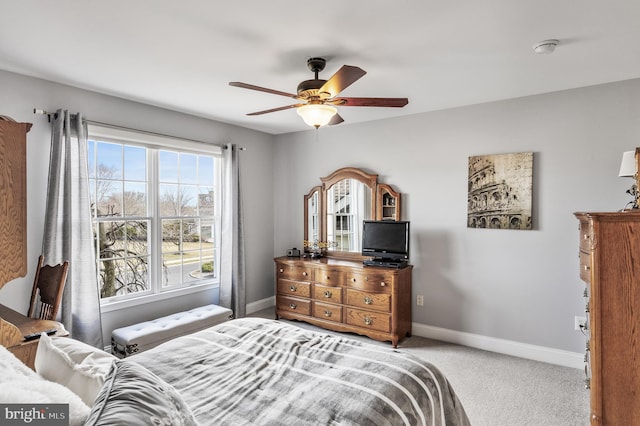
[[585, 267], [327, 293], [296, 273], [293, 304], [367, 319], [294, 288], [328, 276], [327, 312], [370, 281], [376, 301]]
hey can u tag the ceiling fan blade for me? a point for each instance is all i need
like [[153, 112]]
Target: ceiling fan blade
[[345, 77], [267, 111], [371, 102], [262, 89], [336, 119]]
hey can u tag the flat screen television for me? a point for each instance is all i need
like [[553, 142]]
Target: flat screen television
[[387, 241]]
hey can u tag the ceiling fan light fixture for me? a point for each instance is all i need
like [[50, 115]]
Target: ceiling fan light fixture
[[316, 115]]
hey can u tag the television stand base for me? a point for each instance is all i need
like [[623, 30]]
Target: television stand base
[[385, 263]]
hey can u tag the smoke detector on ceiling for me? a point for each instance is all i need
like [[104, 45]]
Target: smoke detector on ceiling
[[546, 46]]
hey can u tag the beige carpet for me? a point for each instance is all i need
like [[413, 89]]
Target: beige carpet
[[499, 390]]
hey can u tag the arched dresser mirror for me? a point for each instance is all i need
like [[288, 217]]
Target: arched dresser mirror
[[334, 211]]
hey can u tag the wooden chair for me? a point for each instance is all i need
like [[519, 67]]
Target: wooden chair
[[47, 290]]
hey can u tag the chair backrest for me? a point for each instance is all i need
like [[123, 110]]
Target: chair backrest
[[47, 290]]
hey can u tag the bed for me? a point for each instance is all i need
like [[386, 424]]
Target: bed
[[255, 371]]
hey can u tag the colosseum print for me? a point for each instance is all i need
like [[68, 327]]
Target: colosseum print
[[500, 191]]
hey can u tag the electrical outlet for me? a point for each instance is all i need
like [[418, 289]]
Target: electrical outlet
[[579, 323], [420, 300]]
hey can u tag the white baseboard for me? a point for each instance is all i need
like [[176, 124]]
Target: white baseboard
[[506, 347], [269, 302]]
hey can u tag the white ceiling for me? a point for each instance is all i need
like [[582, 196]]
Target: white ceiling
[[440, 54]]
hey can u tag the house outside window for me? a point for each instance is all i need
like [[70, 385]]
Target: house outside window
[[156, 215]]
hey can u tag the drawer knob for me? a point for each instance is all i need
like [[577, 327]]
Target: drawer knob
[[382, 284], [304, 274], [586, 267], [366, 278], [293, 305], [585, 236], [327, 314], [293, 288], [327, 294], [328, 277], [368, 320], [353, 279], [281, 270], [368, 300]]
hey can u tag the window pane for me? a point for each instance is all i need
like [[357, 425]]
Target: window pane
[[123, 260], [137, 237], [123, 276], [171, 270], [172, 236], [168, 167], [207, 267], [135, 163], [182, 251], [188, 168], [205, 201], [188, 200], [109, 198], [191, 266], [169, 201], [109, 157], [205, 170], [135, 199]]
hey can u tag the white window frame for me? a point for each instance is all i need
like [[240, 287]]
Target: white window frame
[[156, 143]]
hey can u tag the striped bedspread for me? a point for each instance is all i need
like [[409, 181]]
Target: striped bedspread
[[253, 371]]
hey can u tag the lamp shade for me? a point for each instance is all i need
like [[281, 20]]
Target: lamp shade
[[316, 115], [628, 164]]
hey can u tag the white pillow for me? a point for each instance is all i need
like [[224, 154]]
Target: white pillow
[[74, 364], [21, 385]]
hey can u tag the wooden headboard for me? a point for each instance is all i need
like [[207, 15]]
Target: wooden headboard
[[13, 199]]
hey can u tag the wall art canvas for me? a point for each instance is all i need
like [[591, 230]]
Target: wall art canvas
[[500, 191]]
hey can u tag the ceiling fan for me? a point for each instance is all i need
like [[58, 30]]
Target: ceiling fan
[[319, 97]]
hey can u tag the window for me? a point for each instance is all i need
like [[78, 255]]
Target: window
[[156, 221]]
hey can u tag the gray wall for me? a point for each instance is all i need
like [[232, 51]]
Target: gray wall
[[20, 94], [520, 286]]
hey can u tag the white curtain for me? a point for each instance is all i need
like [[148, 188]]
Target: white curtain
[[68, 233], [232, 267]]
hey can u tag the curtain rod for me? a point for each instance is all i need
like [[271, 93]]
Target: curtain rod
[[113, 126]]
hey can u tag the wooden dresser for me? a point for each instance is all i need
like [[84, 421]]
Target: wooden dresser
[[610, 267], [345, 295]]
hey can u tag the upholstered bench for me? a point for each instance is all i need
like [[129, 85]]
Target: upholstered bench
[[136, 338]]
